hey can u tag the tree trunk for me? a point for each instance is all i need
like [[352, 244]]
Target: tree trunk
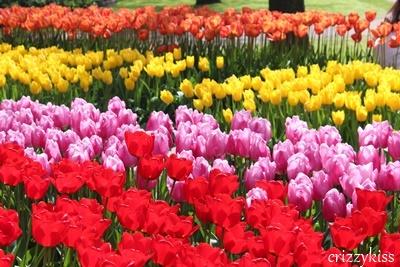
[[206, 2], [287, 6]]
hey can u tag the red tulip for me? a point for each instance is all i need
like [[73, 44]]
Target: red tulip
[[222, 183], [376, 200], [150, 168], [345, 235], [68, 176], [48, 227], [139, 143], [9, 227], [178, 169], [195, 189], [369, 221], [6, 260]]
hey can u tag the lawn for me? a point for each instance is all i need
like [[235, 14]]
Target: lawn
[[343, 6]]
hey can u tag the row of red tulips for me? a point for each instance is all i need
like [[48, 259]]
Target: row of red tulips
[[216, 224], [201, 23]]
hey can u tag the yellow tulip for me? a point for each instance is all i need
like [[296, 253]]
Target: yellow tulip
[[302, 71], [207, 100], [35, 88], [123, 73], [293, 99], [377, 117], [62, 85], [361, 113], [129, 83], [190, 61], [227, 114], [249, 105], [338, 117], [369, 103], [219, 62], [276, 97], [177, 53], [204, 64], [2, 80], [166, 97], [186, 87], [198, 104]]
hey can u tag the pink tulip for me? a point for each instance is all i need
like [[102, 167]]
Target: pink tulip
[[201, 167], [298, 163], [261, 126], [115, 105], [87, 128], [126, 116], [369, 154], [333, 205], [329, 135], [52, 150], [239, 143], [376, 134], [16, 136], [97, 144], [158, 119], [258, 147], [107, 125], [175, 188], [300, 192], [281, 153], [161, 143], [223, 165], [295, 128], [78, 152], [311, 150], [394, 145], [358, 176], [61, 117], [125, 156], [389, 177], [335, 167], [215, 144], [68, 137], [114, 163], [241, 120], [255, 194], [263, 169], [321, 184], [145, 184]]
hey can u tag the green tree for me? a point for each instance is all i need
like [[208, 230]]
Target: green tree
[[287, 6]]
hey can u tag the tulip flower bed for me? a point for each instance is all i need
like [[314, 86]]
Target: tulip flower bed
[[248, 35], [336, 93], [85, 188]]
